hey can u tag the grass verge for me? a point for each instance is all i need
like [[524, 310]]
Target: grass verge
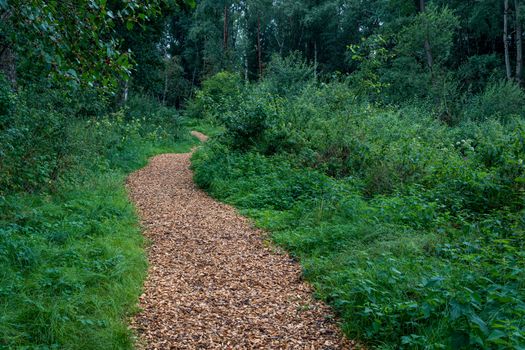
[[72, 260], [399, 274]]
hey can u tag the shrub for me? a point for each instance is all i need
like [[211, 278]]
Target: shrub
[[40, 142], [216, 95], [30, 156], [479, 70], [7, 98], [503, 100], [154, 117], [411, 229], [288, 76]]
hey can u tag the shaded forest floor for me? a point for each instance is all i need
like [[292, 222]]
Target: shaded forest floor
[[214, 281]]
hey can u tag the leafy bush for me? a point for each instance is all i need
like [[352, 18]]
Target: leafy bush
[[411, 229], [480, 69], [6, 98], [40, 142], [503, 100], [216, 95], [30, 156], [288, 76]]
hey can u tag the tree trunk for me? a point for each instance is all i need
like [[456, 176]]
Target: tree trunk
[[506, 39], [8, 65], [193, 82], [315, 60], [126, 91], [519, 44], [225, 34], [165, 92], [7, 55], [259, 53], [246, 68], [428, 49]]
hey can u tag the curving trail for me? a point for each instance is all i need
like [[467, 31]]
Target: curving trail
[[213, 282]]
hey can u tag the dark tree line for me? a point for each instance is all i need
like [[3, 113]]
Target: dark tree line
[[408, 48]]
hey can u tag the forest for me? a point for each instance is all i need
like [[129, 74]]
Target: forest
[[380, 144]]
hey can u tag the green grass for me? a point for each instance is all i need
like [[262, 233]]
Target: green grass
[[72, 260], [72, 267]]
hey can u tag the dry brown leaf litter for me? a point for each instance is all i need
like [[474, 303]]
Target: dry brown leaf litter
[[213, 283]]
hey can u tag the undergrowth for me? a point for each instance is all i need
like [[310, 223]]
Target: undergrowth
[[72, 258], [412, 230]]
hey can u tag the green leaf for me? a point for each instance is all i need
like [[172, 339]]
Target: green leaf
[[495, 335], [434, 281], [479, 322], [459, 339], [72, 73], [396, 271]]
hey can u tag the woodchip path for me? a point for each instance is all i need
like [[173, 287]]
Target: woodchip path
[[214, 282]]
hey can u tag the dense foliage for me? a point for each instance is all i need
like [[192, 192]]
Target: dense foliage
[[72, 257], [441, 51], [71, 253], [382, 143], [411, 229]]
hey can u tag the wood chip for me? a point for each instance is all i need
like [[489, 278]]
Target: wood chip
[[200, 136], [213, 282]]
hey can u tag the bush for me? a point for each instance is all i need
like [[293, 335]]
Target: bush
[[7, 99], [411, 229], [503, 100], [479, 70], [40, 142], [217, 94], [155, 120], [289, 75], [30, 156]]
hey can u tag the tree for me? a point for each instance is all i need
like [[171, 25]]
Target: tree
[[506, 38], [519, 42], [429, 37], [7, 54], [75, 41], [428, 49]]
